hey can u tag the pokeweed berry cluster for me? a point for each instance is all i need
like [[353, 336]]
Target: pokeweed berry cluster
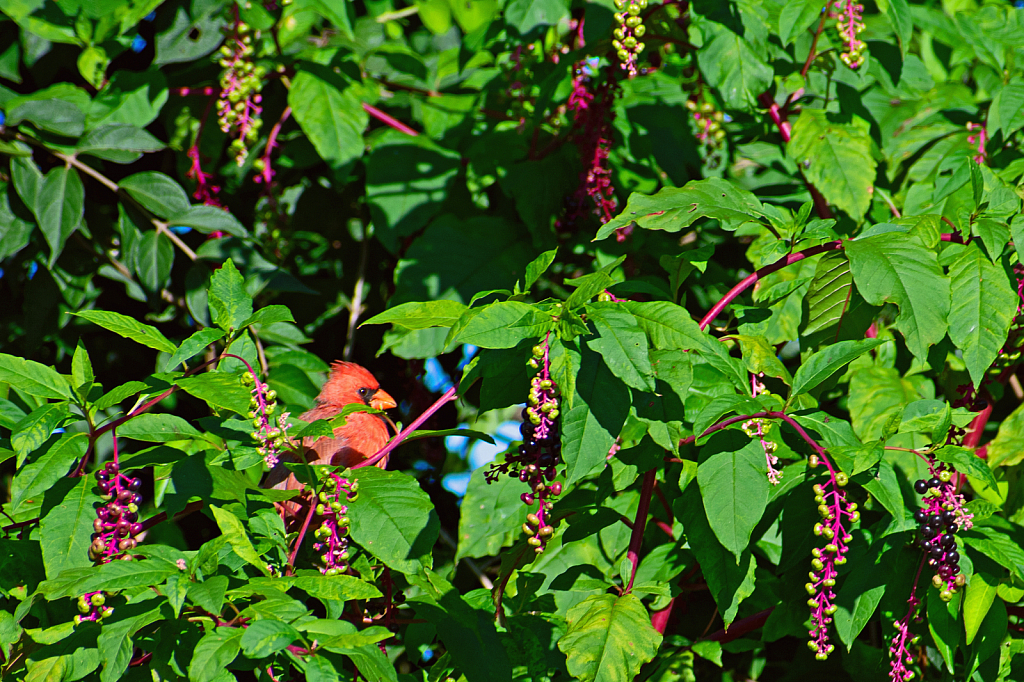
[[536, 460], [238, 107], [117, 522], [631, 27], [837, 516], [900, 657], [272, 437], [760, 428], [941, 517], [850, 22], [332, 535], [92, 608], [707, 121]]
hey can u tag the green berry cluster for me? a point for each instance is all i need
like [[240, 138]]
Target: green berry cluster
[[91, 607], [272, 438], [630, 29], [238, 108], [332, 535]]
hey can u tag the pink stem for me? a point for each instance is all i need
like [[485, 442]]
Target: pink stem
[[389, 120], [637, 538], [448, 396]]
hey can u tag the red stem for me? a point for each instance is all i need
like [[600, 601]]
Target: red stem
[[786, 130], [389, 120], [637, 538], [741, 627], [448, 396], [814, 44], [298, 540]]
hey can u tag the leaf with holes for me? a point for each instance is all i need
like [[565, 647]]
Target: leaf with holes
[[609, 638]]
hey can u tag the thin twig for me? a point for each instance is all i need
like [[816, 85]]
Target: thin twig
[[814, 43], [355, 308], [448, 396], [485, 582]]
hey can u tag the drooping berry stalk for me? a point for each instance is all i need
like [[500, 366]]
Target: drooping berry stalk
[[759, 428], [837, 515], [238, 108], [708, 121], [850, 22], [900, 656], [332, 535], [536, 460], [942, 515], [631, 27]]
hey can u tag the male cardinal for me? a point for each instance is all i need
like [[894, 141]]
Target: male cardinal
[[362, 435]]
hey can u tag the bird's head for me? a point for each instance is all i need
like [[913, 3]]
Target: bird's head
[[351, 383]]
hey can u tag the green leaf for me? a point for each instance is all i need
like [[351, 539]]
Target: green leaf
[[828, 298], [116, 575], [886, 489], [501, 324], [66, 527], [990, 636], [622, 344], [82, 375], [52, 115], [899, 15], [1007, 448], [193, 346], [33, 378], [836, 158], [210, 219], [230, 305], [129, 328], [53, 465], [239, 540], [826, 362], [118, 142], [116, 395], [154, 257], [732, 475], [863, 590], [214, 652], [157, 193], [895, 268], [598, 413], [60, 207], [944, 626], [330, 114], [266, 637], [733, 68], [608, 639], [209, 594], [675, 208], [157, 428], [796, 17], [393, 519], [537, 267], [967, 462], [978, 598], [526, 15], [32, 430], [337, 587], [219, 389], [468, 633], [115, 642], [269, 315], [492, 515], [998, 546], [982, 309], [425, 315]]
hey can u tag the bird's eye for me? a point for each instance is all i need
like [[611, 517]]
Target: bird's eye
[[364, 393]]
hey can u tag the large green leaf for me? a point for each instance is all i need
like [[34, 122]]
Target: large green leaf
[[967, 462], [266, 637], [501, 324], [828, 361], [157, 193], [61, 205], [219, 390], [129, 328], [154, 258], [115, 641], [230, 305], [863, 589], [468, 633], [116, 575], [1007, 448], [417, 315], [53, 465], [675, 208], [393, 519], [492, 515], [192, 346], [732, 66], [732, 475], [978, 598], [215, 651], [238, 538], [35, 428], [609, 638], [331, 115], [33, 378], [598, 412], [828, 298], [622, 344], [896, 268], [944, 625], [157, 428], [66, 526], [982, 309], [836, 158], [118, 142]]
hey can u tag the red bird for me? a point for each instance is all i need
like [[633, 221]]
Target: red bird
[[360, 438]]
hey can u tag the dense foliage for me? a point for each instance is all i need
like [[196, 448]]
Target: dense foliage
[[702, 318]]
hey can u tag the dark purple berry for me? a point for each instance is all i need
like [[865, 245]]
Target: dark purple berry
[[954, 569], [921, 486], [948, 542], [935, 522], [953, 557], [928, 532], [101, 475], [921, 516], [527, 499], [948, 516], [952, 528], [135, 483], [102, 513], [934, 483], [136, 528], [945, 572]]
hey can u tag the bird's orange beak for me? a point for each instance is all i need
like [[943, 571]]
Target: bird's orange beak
[[382, 401]]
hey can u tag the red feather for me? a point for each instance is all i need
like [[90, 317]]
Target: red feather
[[360, 438]]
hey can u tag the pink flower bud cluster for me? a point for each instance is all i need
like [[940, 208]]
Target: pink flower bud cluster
[[332, 535], [837, 515], [850, 22], [900, 657], [206, 191], [978, 136], [759, 428]]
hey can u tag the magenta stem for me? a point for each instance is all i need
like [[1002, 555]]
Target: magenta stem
[[389, 120], [637, 537], [448, 396]]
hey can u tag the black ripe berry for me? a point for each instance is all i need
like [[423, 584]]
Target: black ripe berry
[[921, 486], [920, 516]]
